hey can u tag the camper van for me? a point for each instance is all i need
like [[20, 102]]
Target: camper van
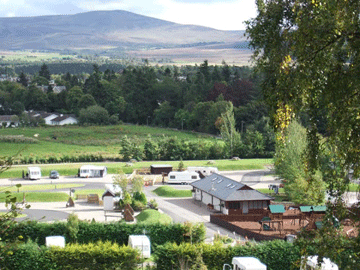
[[203, 171], [33, 173], [184, 177], [92, 171]]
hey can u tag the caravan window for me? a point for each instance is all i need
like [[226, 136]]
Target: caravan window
[[84, 171], [172, 176], [193, 177]]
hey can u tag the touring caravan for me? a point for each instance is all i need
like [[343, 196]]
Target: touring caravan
[[92, 171], [33, 173], [142, 243], [247, 263], [203, 171], [184, 177]]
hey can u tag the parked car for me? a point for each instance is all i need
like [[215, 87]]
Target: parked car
[[54, 175]]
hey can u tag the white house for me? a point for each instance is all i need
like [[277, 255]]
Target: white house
[[64, 120], [142, 243], [48, 117], [9, 120]]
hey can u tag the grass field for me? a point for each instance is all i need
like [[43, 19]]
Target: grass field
[[167, 191], [27, 56], [74, 140]]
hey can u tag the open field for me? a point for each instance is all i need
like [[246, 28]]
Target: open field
[[114, 167], [76, 141], [38, 196], [39, 187], [29, 56]]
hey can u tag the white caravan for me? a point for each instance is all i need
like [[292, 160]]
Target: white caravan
[[33, 173], [184, 177], [245, 263], [205, 171], [142, 243], [92, 171]]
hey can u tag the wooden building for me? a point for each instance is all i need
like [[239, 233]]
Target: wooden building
[[229, 196]]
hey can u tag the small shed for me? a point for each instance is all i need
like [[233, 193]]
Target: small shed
[[160, 169], [247, 263], [112, 194], [276, 211], [142, 243], [92, 171]]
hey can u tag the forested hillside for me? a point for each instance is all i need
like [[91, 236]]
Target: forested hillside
[[187, 97]]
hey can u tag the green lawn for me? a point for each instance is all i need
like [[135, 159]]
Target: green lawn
[[153, 216], [167, 191], [39, 197], [39, 187], [100, 192]]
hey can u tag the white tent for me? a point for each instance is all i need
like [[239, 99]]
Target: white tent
[[312, 264], [247, 263], [142, 243], [93, 171]]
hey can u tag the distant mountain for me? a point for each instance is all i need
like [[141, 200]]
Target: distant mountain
[[103, 30]]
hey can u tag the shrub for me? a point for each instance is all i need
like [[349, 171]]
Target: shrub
[[95, 256]]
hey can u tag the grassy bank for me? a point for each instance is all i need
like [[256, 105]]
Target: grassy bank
[[167, 191], [38, 197]]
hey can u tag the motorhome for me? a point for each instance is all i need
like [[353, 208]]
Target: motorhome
[[33, 173], [184, 177], [92, 171], [203, 171]]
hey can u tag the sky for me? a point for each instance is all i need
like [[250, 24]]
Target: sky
[[222, 15]]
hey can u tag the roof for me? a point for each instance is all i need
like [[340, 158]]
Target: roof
[[139, 239], [161, 166], [6, 118], [61, 118], [92, 167], [227, 189], [315, 208], [277, 208], [248, 263]]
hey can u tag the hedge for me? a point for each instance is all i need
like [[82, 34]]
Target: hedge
[[116, 232], [74, 256], [277, 255]]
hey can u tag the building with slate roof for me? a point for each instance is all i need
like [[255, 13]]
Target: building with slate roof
[[229, 196]]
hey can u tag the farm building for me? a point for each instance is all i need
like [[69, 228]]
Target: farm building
[[160, 169], [92, 171], [229, 196], [9, 120]]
